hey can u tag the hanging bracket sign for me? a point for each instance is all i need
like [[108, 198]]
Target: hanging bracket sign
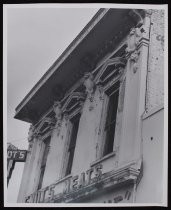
[[17, 155]]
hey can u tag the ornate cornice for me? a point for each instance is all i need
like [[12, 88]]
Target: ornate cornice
[[99, 15], [45, 125]]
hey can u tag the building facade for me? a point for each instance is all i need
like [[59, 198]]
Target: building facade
[[97, 115]]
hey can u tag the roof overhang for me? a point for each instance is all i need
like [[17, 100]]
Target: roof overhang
[[103, 33]]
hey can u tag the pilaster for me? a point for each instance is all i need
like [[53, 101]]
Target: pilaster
[[134, 102]]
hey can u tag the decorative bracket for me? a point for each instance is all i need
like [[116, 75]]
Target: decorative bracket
[[134, 60], [31, 133], [133, 40], [90, 87], [57, 108]]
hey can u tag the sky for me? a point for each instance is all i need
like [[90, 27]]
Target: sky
[[36, 37]]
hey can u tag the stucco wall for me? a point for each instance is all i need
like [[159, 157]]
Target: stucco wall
[[150, 188], [54, 159]]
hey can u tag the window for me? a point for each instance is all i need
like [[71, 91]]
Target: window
[[71, 148], [110, 121], [43, 163]]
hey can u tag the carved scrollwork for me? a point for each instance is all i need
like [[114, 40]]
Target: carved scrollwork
[[134, 60], [57, 108], [132, 44], [31, 133], [90, 87], [66, 115], [133, 40], [73, 102], [89, 83]]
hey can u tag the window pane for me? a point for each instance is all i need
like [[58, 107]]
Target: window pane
[[43, 163], [71, 149], [42, 170], [111, 122]]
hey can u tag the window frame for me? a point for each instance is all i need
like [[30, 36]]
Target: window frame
[[109, 124], [75, 118], [75, 114], [46, 147], [106, 88]]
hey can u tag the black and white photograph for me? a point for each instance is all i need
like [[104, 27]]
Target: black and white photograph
[[85, 105]]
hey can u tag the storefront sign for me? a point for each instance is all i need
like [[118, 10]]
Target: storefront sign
[[76, 182], [86, 178], [17, 155], [122, 197], [88, 183]]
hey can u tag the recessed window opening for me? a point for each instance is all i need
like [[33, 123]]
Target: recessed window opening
[[75, 124], [44, 160], [111, 121]]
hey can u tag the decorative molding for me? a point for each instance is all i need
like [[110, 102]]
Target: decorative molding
[[31, 133], [57, 108], [111, 68], [74, 102], [45, 125], [89, 27], [90, 87], [134, 60], [133, 40], [89, 83], [80, 81], [112, 154]]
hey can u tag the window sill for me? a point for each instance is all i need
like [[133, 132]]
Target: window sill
[[64, 178], [103, 158]]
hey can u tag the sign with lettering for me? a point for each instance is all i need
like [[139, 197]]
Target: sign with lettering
[[86, 178], [122, 197], [72, 184], [17, 155], [78, 187]]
